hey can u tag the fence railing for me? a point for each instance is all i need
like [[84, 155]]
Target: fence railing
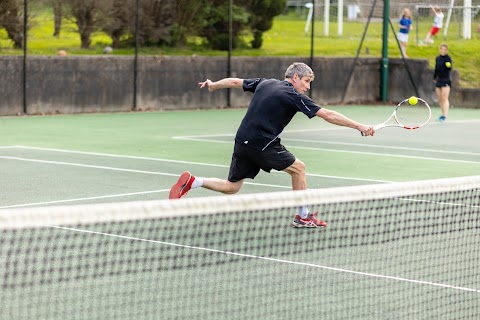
[[51, 27]]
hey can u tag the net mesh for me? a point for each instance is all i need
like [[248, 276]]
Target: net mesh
[[403, 250]]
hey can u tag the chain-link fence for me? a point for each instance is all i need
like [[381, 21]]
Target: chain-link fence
[[131, 30], [458, 22], [96, 26]]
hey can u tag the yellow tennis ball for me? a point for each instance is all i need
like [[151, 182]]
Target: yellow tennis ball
[[448, 64], [412, 100]]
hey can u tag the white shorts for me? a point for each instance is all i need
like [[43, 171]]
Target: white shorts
[[402, 37]]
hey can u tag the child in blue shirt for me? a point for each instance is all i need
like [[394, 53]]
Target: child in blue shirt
[[405, 27]]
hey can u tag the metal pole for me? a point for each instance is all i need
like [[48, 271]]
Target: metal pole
[[384, 75], [417, 10], [370, 15], [135, 59], [405, 61], [24, 80], [340, 17], [312, 46], [230, 45]]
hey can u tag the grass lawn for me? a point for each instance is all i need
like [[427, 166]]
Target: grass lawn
[[286, 38]]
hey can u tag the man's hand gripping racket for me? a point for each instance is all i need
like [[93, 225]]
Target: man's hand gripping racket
[[410, 114]]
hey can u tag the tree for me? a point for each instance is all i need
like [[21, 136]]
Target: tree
[[156, 21], [261, 18], [216, 27], [89, 16], [122, 22], [187, 22], [57, 13], [248, 17], [170, 22], [11, 18]]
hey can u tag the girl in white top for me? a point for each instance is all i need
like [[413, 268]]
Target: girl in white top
[[437, 23]]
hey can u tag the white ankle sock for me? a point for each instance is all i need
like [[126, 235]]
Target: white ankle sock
[[303, 212], [197, 183]]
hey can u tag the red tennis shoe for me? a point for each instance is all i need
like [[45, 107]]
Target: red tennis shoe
[[183, 185], [309, 222]]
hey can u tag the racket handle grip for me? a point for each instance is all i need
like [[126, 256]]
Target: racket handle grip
[[377, 127]]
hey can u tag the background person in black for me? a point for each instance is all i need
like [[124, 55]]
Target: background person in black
[[441, 77], [257, 142]]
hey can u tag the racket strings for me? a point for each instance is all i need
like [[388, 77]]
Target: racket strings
[[413, 116]]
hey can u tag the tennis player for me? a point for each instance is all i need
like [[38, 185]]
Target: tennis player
[[257, 142], [442, 80]]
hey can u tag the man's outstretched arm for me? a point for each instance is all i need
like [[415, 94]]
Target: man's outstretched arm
[[222, 84], [341, 120]]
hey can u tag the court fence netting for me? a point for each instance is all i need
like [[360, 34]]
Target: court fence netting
[[391, 251]]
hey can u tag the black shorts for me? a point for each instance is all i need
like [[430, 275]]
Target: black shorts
[[443, 83], [247, 162]]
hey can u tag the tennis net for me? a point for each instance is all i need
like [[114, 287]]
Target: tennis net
[[400, 250]]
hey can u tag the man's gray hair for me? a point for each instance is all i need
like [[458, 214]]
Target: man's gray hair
[[299, 68]]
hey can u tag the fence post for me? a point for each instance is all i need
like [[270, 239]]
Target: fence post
[[384, 75], [135, 58], [24, 80], [230, 46]]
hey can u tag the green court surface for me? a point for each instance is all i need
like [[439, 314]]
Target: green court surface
[[334, 273], [137, 156]]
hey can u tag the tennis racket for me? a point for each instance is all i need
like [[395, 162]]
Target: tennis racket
[[408, 116]]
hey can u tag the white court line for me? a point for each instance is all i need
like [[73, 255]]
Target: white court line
[[141, 172], [388, 155], [189, 163], [350, 151], [109, 168], [121, 169], [115, 155], [383, 146], [366, 274], [284, 132], [84, 199], [333, 127], [452, 204], [201, 138], [168, 174], [88, 166], [454, 122]]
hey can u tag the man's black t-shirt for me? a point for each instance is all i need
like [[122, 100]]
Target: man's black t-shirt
[[273, 106]]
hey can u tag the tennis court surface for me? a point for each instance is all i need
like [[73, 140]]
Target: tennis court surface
[[87, 232]]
